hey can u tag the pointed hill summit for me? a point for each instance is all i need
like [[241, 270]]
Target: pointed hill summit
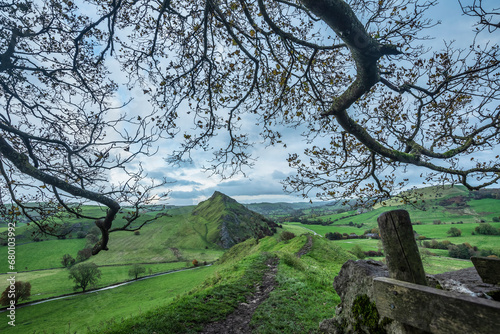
[[225, 222]]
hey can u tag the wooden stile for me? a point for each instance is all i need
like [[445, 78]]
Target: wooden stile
[[435, 311]]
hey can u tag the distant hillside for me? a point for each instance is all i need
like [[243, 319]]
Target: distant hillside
[[283, 208], [225, 222], [427, 194]]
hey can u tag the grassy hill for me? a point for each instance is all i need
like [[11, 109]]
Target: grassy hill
[[303, 289], [427, 194], [184, 302], [439, 210], [225, 222], [187, 301]]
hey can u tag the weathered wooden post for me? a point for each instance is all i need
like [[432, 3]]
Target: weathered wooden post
[[400, 247], [422, 309]]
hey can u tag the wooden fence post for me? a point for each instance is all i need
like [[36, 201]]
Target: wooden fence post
[[400, 247]]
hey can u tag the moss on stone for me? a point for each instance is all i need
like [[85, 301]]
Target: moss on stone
[[366, 316]]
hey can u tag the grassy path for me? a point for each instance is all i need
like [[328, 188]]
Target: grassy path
[[239, 320]]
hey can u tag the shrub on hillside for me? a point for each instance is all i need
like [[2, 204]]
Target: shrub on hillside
[[286, 235], [372, 231], [436, 222], [333, 236], [486, 253], [93, 235], [358, 252], [372, 253], [461, 251], [92, 238], [444, 244], [137, 232], [67, 261], [496, 219], [83, 254], [454, 232], [486, 229], [195, 263], [80, 234], [434, 244]]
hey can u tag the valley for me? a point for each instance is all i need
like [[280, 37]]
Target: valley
[[240, 244]]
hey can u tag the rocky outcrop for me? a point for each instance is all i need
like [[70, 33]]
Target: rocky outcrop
[[357, 313]]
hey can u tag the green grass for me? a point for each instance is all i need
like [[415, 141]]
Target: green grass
[[365, 244], [55, 282], [95, 310], [437, 265], [304, 290], [213, 301], [304, 295], [152, 245], [40, 255], [302, 299], [294, 228], [430, 193], [438, 232], [155, 242], [322, 230]]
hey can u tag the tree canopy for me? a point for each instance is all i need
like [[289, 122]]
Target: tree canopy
[[372, 92], [84, 275], [17, 292]]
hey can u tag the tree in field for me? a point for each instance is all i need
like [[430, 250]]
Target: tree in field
[[136, 270], [84, 275], [67, 260], [22, 291], [333, 236], [372, 94]]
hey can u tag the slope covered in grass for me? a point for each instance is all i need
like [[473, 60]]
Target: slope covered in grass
[[223, 221], [168, 239], [304, 287], [81, 313]]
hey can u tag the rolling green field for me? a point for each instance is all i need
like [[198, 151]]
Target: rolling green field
[[153, 245], [55, 282], [80, 313], [185, 301], [179, 300], [302, 298]]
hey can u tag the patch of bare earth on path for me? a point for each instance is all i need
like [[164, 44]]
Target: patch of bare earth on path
[[306, 248], [238, 321]]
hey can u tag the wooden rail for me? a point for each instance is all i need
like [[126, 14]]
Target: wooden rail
[[406, 298], [435, 311]]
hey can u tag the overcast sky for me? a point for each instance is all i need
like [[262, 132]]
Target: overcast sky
[[190, 184]]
